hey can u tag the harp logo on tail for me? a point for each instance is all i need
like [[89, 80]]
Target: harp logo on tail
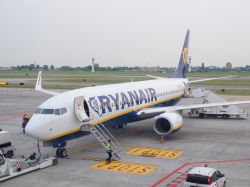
[[184, 55]]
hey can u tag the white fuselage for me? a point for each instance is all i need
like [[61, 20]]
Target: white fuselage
[[115, 103]]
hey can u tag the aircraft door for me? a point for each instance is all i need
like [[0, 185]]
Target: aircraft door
[[81, 109]]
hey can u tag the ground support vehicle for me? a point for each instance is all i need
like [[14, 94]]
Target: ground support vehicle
[[224, 112], [10, 168], [5, 144]]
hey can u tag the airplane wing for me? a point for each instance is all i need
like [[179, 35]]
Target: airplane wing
[[160, 110], [155, 77], [39, 85]]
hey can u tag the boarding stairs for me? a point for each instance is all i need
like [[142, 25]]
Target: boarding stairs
[[100, 132]]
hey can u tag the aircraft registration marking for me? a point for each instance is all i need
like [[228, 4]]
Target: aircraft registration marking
[[155, 152], [128, 167]]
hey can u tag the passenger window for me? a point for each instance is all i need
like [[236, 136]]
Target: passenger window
[[38, 111], [63, 111], [48, 111], [57, 112]]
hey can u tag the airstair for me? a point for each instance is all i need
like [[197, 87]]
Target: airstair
[[100, 132]]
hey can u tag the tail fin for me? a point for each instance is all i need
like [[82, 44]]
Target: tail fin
[[180, 71]]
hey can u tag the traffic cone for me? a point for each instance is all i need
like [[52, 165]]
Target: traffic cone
[[162, 139]]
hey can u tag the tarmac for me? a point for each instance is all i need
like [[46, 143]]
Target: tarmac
[[146, 161]]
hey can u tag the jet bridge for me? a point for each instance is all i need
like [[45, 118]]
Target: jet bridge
[[100, 132]]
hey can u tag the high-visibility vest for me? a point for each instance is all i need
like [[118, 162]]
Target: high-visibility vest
[[109, 147]]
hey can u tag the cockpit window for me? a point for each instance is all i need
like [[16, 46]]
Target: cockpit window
[[48, 111], [63, 111], [38, 111], [57, 112]]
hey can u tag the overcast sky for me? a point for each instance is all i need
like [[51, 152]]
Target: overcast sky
[[123, 32]]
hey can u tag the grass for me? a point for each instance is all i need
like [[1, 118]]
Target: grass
[[233, 92], [219, 74], [84, 79], [29, 86], [65, 74], [104, 80], [226, 83], [76, 74], [70, 87]]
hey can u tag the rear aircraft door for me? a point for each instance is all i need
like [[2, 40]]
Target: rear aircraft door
[[81, 109]]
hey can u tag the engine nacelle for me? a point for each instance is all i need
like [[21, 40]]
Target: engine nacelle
[[168, 123]]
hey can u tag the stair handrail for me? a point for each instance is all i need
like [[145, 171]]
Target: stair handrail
[[110, 135]]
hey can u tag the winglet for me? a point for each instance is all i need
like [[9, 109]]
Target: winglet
[[39, 81], [39, 85]]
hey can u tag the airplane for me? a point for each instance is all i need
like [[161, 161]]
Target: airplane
[[57, 120]]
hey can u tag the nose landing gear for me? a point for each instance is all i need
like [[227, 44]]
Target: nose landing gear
[[61, 152]]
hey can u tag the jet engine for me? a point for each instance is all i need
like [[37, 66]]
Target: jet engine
[[168, 123]]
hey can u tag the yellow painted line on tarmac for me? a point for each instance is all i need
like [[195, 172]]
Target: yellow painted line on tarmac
[[92, 158], [155, 152], [128, 167], [96, 144], [237, 99]]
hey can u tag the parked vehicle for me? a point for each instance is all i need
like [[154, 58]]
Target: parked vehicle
[[205, 177], [5, 144], [218, 112]]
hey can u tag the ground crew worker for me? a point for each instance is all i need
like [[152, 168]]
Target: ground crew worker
[[26, 119], [109, 151]]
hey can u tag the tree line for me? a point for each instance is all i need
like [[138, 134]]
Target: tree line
[[33, 67]]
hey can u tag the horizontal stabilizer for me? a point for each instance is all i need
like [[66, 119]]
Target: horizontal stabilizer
[[155, 77], [210, 79]]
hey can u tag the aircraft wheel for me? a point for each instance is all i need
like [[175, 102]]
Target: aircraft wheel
[[114, 126], [225, 116], [61, 153], [201, 115], [64, 153], [120, 126]]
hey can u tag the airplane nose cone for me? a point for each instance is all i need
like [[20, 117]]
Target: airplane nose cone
[[34, 129]]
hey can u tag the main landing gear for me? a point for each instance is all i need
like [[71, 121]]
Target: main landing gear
[[118, 126], [61, 152]]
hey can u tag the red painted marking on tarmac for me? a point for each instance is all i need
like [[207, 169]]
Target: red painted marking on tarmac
[[173, 183], [169, 175]]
